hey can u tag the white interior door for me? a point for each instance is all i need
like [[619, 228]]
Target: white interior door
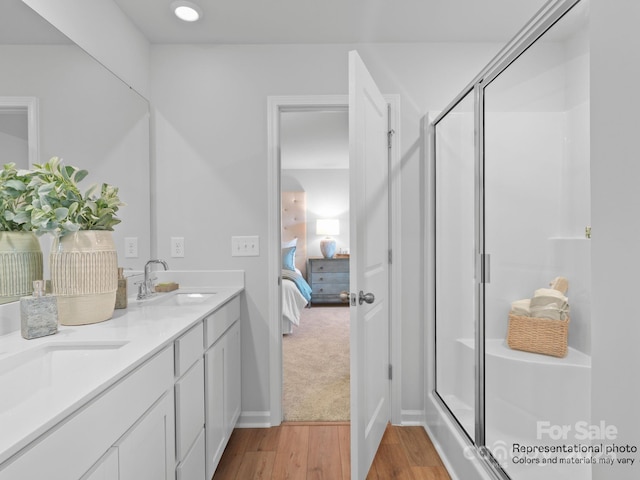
[[369, 277]]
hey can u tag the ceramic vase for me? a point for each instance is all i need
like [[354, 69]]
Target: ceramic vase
[[20, 264], [84, 276]]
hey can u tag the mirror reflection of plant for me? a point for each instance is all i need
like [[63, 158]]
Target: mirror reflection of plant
[[15, 197], [59, 207]]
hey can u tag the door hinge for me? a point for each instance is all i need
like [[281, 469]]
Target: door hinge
[[390, 257], [389, 136], [390, 372]]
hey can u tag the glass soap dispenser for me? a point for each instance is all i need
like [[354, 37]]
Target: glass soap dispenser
[[38, 313], [121, 292]]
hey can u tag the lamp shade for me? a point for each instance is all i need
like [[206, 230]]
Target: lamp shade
[[327, 226]]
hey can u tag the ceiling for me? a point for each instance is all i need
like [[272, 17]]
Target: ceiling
[[334, 21]]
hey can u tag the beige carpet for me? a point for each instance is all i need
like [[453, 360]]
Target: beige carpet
[[316, 366]]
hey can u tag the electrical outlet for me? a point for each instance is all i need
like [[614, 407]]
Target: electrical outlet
[[245, 246], [177, 247], [131, 247]]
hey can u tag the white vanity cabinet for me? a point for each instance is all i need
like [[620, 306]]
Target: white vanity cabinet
[[168, 418], [223, 375], [127, 432]]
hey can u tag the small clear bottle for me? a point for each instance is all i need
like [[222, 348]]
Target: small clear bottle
[[38, 313], [121, 293]]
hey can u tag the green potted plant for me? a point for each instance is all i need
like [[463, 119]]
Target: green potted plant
[[20, 252], [83, 260], [59, 207]]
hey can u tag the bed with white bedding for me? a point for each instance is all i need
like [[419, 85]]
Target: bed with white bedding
[[294, 258], [293, 301]]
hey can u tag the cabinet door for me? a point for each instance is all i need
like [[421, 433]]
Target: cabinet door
[[189, 408], [223, 389], [147, 450], [193, 465], [214, 404], [232, 384]]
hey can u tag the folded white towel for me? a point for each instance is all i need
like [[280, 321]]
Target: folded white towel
[[550, 292], [521, 307], [549, 306]]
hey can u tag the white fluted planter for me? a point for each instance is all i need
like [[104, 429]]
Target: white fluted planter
[[20, 264], [84, 276]]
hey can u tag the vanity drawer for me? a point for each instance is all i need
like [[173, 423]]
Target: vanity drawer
[[188, 349], [189, 408], [219, 321]]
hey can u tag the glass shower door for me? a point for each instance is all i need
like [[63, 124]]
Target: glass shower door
[[455, 306], [536, 210]]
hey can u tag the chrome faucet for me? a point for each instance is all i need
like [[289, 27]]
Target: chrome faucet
[[146, 287]]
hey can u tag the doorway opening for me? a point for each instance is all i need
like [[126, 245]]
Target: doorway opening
[[314, 185]]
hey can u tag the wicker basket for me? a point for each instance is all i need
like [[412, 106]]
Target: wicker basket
[[538, 335]]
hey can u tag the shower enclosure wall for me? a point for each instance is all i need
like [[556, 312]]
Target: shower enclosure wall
[[510, 193]]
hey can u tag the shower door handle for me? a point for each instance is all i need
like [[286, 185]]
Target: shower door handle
[[365, 297], [486, 268], [484, 265]]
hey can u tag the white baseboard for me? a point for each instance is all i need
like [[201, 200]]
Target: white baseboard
[[263, 419], [254, 420], [412, 417]]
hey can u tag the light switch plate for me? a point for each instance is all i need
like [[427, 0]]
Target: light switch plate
[[248, 246]]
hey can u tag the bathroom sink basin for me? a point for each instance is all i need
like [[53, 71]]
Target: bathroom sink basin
[[184, 299], [55, 366]]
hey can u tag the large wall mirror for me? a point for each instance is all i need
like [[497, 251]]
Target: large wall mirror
[[87, 116]]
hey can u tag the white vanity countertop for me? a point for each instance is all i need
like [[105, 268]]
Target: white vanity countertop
[[34, 398]]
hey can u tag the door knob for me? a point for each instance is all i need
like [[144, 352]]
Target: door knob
[[344, 297], [365, 297]]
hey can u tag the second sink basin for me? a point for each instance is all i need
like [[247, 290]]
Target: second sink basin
[[184, 299]]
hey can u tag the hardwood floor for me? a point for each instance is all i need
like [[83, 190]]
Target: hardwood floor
[[317, 451]]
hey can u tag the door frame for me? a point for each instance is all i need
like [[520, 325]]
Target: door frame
[[30, 105], [297, 103]]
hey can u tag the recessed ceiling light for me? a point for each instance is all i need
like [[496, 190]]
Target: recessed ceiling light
[[187, 11]]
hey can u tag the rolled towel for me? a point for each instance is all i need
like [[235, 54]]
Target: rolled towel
[[521, 307], [560, 283]]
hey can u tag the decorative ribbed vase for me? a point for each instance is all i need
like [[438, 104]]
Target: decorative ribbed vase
[[84, 276], [20, 264]]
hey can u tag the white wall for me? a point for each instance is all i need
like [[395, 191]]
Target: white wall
[[211, 157], [615, 170], [327, 197]]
